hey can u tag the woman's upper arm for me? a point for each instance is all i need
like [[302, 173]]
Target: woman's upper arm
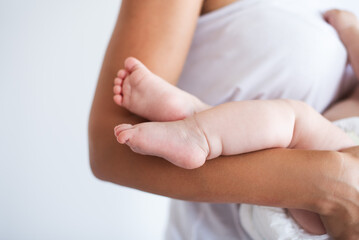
[[159, 33]]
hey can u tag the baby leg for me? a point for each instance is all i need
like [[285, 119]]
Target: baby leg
[[228, 129], [309, 221]]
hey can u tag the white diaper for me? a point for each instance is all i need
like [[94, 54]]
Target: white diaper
[[270, 223], [350, 126]]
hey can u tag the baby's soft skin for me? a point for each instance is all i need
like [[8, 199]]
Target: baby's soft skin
[[228, 129], [147, 95]]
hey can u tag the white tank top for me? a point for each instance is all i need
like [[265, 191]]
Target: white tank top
[[259, 49]]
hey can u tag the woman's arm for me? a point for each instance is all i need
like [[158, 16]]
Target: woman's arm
[[159, 34], [347, 26]]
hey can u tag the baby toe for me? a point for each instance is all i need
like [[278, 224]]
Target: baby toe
[[117, 89], [118, 81], [122, 73], [132, 63], [117, 99], [119, 128], [124, 134]]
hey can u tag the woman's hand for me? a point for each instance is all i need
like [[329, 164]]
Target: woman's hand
[[341, 20], [341, 217]]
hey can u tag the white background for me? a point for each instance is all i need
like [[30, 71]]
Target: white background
[[50, 56]]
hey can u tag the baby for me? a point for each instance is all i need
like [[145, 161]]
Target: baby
[[187, 132]]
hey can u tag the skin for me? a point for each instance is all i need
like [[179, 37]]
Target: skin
[[319, 181], [187, 132], [347, 26], [203, 135]]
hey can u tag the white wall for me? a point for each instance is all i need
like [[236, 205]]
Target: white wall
[[50, 56]]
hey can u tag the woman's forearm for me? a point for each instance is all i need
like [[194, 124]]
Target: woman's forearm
[[276, 177]]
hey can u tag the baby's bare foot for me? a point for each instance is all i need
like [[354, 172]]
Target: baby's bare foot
[[180, 142], [149, 96]]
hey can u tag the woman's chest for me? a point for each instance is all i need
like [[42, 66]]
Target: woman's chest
[[259, 49]]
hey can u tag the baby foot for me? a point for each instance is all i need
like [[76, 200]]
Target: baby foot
[[180, 142], [343, 22], [149, 96]]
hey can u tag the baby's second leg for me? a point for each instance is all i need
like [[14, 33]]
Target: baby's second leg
[[228, 129], [309, 221], [147, 95]]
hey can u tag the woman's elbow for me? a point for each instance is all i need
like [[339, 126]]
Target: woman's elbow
[[109, 160], [100, 151], [96, 162], [96, 167], [103, 165]]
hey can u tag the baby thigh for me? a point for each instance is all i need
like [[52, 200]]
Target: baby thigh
[[309, 221]]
